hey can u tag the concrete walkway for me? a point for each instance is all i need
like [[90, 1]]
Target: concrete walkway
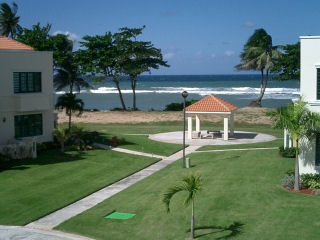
[[18, 233], [54, 219], [103, 146]]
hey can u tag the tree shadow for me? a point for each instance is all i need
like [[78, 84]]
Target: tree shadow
[[44, 158], [232, 230]]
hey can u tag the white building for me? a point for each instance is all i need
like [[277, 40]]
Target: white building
[[309, 157], [26, 93]]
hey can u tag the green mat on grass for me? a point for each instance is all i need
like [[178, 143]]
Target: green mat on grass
[[119, 215]]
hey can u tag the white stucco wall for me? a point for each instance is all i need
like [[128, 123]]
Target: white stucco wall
[[310, 61], [12, 104]]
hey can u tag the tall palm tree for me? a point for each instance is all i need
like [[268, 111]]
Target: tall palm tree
[[300, 122], [62, 135], [9, 21], [259, 55], [71, 103], [69, 78], [191, 184]]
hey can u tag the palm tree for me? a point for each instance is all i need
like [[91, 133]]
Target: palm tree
[[62, 136], [191, 184], [9, 21], [68, 75], [259, 55], [300, 122], [71, 103]]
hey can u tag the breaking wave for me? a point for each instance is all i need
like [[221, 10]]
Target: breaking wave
[[278, 93]]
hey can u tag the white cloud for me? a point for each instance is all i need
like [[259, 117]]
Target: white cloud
[[229, 53], [213, 55], [168, 55], [248, 24], [71, 36]]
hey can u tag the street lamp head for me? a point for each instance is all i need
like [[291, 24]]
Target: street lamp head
[[184, 94]]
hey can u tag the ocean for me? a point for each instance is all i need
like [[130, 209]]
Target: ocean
[[154, 92]]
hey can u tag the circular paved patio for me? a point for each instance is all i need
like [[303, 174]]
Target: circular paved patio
[[238, 138]]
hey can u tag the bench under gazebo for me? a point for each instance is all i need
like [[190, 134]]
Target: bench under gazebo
[[211, 105]]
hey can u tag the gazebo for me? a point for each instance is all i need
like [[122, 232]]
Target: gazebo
[[212, 105]]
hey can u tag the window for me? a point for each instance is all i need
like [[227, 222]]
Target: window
[[26, 82], [28, 125], [318, 151]]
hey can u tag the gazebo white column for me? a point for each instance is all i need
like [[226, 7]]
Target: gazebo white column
[[231, 124], [225, 128], [197, 124], [189, 127]]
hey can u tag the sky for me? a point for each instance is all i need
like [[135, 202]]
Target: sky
[[195, 36]]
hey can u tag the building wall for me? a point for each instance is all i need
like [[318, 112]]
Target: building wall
[[310, 61], [12, 104]]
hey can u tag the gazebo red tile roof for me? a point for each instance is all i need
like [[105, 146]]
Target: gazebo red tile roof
[[211, 103], [10, 44]]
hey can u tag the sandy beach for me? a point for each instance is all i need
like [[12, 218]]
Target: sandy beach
[[246, 115]]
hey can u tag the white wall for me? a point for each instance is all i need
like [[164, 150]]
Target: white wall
[[310, 59], [12, 104], [307, 157]]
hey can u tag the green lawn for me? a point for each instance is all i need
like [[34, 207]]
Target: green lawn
[[142, 143], [32, 188], [274, 143], [242, 198]]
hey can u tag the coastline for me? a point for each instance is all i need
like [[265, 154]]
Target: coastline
[[245, 115]]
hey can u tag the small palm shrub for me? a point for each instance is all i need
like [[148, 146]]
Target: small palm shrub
[[287, 152]]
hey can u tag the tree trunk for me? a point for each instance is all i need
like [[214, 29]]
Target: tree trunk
[[71, 88], [120, 94], [70, 121], [62, 147], [192, 220], [296, 169], [263, 87], [257, 103], [133, 86]]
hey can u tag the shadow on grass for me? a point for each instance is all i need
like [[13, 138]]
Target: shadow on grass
[[45, 158], [227, 231]]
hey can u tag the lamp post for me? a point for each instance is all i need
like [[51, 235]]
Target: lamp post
[[184, 95]]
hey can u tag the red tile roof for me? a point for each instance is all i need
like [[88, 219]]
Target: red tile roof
[[10, 44], [211, 103]]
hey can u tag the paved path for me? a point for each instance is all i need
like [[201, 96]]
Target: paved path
[[19, 233], [54, 219], [239, 149], [103, 146]]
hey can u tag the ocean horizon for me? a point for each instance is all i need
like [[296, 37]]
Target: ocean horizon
[[154, 92]]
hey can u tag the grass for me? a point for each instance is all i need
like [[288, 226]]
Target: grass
[[33, 188], [142, 143], [274, 143], [242, 198]]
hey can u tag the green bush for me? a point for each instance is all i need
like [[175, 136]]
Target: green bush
[[287, 152], [178, 106], [290, 172], [288, 181], [310, 180]]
